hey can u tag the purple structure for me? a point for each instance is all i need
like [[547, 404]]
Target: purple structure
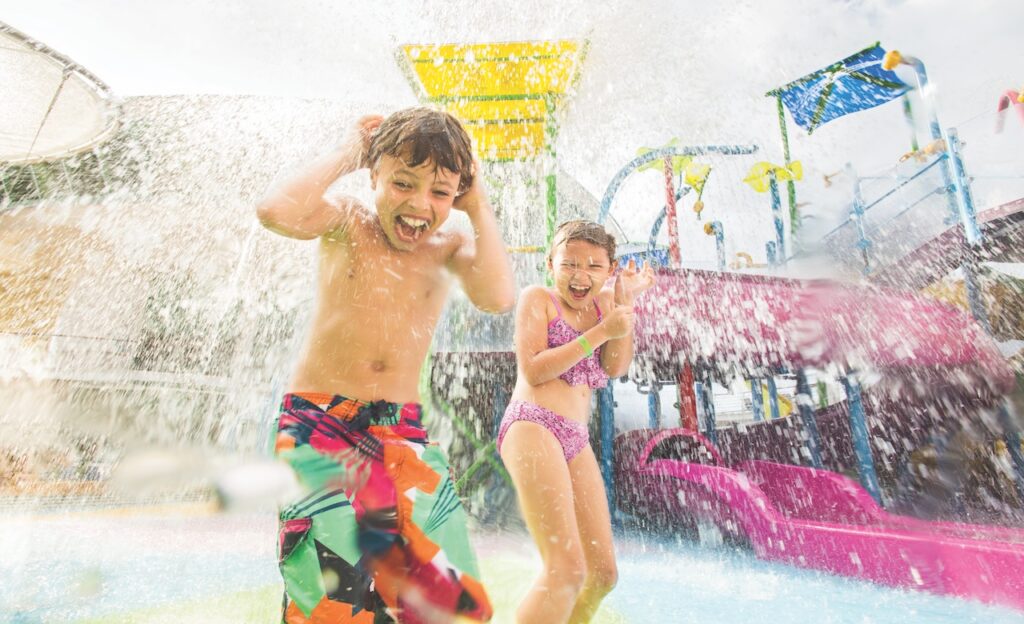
[[814, 519]]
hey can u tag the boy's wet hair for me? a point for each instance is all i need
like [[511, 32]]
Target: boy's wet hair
[[419, 134], [587, 231]]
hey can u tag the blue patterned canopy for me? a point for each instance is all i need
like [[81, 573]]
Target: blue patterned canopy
[[853, 84]]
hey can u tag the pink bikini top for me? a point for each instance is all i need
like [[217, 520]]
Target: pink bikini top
[[587, 371]]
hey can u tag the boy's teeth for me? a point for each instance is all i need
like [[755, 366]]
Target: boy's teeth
[[413, 221]]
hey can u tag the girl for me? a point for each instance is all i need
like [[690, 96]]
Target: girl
[[569, 340]]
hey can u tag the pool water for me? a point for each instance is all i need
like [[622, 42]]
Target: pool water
[[187, 564]]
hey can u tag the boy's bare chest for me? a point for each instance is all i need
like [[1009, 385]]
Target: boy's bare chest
[[389, 281]]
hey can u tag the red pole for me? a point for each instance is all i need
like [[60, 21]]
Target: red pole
[[670, 215], [687, 400]]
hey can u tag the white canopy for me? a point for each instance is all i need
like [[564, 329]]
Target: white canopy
[[51, 107]]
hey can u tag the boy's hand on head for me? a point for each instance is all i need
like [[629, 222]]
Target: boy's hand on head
[[357, 140], [475, 195], [630, 282]]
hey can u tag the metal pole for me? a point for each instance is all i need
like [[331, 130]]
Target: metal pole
[[670, 214], [715, 228], [857, 214], [804, 402], [861, 439], [687, 399], [908, 114], [780, 241], [654, 407], [550, 134], [933, 125], [606, 413], [773, 397], [963, 189], [794, 215], [710, 426], [757, 398], [1011, 436]]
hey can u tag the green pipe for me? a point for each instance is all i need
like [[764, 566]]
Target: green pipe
[[794, 215]]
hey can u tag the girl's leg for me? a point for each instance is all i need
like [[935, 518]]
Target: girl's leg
[[537, 466], [595, 530]]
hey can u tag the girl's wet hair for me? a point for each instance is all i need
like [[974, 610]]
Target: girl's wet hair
[[419, 134], [587, 231]]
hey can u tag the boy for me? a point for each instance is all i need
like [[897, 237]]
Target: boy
[[380, 533]]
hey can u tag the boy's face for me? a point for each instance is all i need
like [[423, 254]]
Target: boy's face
[[412, 202], [580, 270]]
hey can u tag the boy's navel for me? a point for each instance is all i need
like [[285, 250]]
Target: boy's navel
[[377, 366]]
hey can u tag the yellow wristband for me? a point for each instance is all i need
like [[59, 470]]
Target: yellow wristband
[[586, 345]]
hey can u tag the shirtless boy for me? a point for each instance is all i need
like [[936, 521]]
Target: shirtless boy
[[379, 533]]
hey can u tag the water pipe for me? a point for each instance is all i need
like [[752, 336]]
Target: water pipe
[[773, 397], [714, 228], [756, 399], [674, 258], [780, 241], [861, 437], [804, 404], [893, 58]]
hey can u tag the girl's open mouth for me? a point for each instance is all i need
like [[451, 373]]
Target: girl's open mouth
[[579, 293]]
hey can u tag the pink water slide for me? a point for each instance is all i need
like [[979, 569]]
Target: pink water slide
[[813, 519]]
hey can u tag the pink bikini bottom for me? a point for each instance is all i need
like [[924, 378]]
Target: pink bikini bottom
[[572, 435]]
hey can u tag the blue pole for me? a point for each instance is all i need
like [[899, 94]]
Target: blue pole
[[698, 393], [858, 216], [963, 188], [773, 397], [934, 129], [780, 242], [769, 251], [654, 407], [606, 413], [804, 403], [756, 398], [1012, 438], [715, 227], [708, 398], [861, 439]]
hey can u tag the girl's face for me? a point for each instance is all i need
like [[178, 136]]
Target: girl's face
[[580, 270]]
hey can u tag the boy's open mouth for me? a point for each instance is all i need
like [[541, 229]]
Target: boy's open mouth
[[578, 293], [409, 229]]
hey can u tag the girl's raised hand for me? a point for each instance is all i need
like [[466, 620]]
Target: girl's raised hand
[[630, 282]]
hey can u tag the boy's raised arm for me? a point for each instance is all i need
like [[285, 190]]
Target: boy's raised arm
[[297, 209], [483, 265]]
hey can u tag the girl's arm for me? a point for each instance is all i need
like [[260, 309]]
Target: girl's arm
[[630, 282], [618, 352], [537, 362]]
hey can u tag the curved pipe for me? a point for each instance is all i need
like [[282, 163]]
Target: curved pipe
[[656, 229], [689, 150]]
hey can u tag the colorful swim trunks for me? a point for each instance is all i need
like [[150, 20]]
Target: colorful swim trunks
[[379, 533]]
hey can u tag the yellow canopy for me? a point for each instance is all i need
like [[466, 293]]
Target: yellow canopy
[[505, 93]]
